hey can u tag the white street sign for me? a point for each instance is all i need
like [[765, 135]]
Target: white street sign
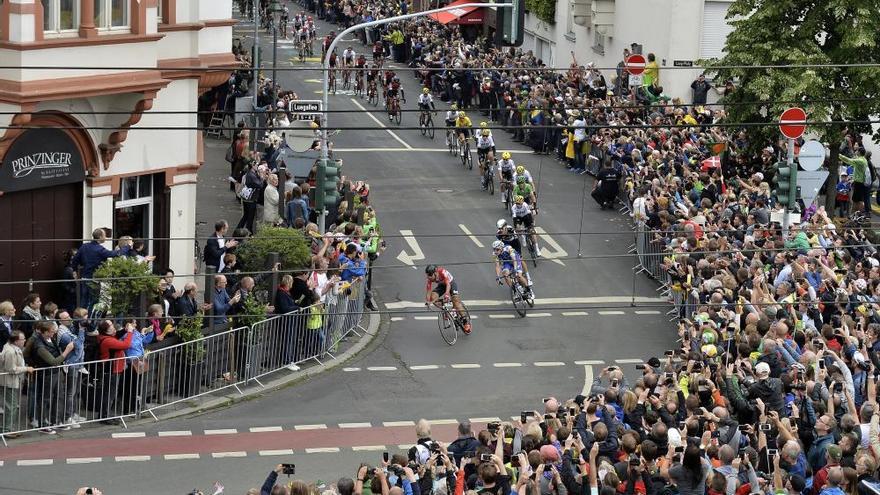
[[810, 182], [635, 81], [811, 156]]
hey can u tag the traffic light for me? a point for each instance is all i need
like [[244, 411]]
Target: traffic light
[[510, 23], [327, 192], [785, 184]]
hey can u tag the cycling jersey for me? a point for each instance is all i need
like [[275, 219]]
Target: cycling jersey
[[450, 117], [348, 56], [524, 190], [425, 100], [522, 214], [303, 33], [509, 238], [444, 278], [526, 174], [509, 259], [361, 62], [463, 122], [507, 168], [485, 143], [332, 60]]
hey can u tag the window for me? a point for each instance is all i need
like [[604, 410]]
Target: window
[[598, 41], [133, 211], [159, 11], [60, 16], [111, 14]]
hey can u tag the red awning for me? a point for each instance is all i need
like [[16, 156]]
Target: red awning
[[463, 15]]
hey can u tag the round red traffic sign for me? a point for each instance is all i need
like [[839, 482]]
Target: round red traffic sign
[[635, 64], [792, 123]]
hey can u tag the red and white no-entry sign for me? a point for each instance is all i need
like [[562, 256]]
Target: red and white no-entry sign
[[792, 123], [635, 64]]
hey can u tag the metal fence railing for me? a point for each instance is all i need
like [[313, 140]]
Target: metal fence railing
[[118, 389]]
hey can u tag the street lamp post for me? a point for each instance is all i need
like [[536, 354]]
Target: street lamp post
[[275, 10]]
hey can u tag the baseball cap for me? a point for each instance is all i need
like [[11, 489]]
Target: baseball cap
[[834, 452], [762, 369]]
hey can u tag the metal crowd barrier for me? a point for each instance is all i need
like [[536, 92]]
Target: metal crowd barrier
[[115, 390]]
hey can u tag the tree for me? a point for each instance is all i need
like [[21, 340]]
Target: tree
[[798, 32], [123, 279]]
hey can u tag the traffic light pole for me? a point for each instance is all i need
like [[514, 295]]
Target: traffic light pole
[[325, 155], [792, 190]]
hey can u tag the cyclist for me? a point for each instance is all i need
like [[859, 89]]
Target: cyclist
[[521, 171], [522, 214], [378, 51], [451, 115], [508, 262], [446, 290], [348, 57], [463, 128], [285, 19], [485, 126], [391, 93], [485, 152], [310, 24], [372, 75], [325, 45], [303, 34], [507, 234], [506, 169], [525, 190], [333, 63], [426, 101]]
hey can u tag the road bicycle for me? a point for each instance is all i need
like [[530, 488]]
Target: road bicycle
[[485, 174], [451, 322], [465, 152], [301, 46], [451, 141], [331, 84], [527, 239], [489, 178], [359, 83], [346, 79], [372, 93], [426, 123], [518, 294], [392, 105], [507, 193]]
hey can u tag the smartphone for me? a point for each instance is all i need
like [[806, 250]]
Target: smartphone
[[288, 469], [493, 426], [634, 461], [716, 434], [669, 353], [514, 461], [524, 415], [571, 411], [838, 387], [485, 457], [385, 456], [615, 383], [469, 454], [679, 449], [548, 416], [821, 364], [743, 427], [771, 452], [640, 366], [764, 427], [681, 425]]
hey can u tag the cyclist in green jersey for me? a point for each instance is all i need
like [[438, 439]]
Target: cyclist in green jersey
[[524, 189]]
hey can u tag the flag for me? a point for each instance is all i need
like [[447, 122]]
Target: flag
[[717, 148], [710, 163]]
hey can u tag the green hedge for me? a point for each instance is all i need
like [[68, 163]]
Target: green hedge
[[544, 9]]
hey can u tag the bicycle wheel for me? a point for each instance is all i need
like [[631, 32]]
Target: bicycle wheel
[[464, 154], [448, 328], [422, 128], [398, 114], [430, 126], [490, 181], [533, 251], [519, 300], [469, 158]]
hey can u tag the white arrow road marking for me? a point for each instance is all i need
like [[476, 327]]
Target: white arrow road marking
[[417, 254], [588, 379], [470, 235], [551, 249], [389, 131]]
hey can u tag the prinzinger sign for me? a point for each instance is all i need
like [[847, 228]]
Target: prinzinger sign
[[49, 165], [41, 157]]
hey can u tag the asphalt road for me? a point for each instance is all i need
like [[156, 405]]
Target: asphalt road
[[591, 311]]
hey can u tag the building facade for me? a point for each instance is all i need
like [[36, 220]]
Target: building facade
[[678, 32], [83, 85]]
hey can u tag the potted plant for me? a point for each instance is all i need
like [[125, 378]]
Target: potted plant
[[193, 353], [122, 280]]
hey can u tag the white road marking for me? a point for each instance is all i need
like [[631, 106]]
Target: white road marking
[[471, 236], [235, 453], [261, 429], [396, 318], [442, 422], [355, 425], [222, 431], [129, 434], [424, 317], [507, 365], [484, 420], [181, 457], [367, 448], [421, 150], [588, 379], [398, 423], [548, 364], [381, 124], [464, 366], [381, 368], [629, 361], [276, 452], [351, 369], [571, 301], [590, 362], [322, 450], [575, 313], [132, 458], [422, 367], [501, 317], [551, 249], [647, 312], [83, 460], [310, 427], [417, 254], [538, 315], [34, 462], [606, 313], [177, 433]]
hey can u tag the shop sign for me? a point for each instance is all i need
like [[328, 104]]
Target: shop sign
[[42, 157]]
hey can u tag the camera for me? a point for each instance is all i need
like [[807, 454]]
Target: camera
[[514, 461], [771, 452], [485, 457], [634, 460], [615, 383], [640, 367], [493, 427], [838, 387], [288, 469], [524, 415], [716, 434], [764, 427], [548, 416]]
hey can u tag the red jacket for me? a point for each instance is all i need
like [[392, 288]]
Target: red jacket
[[107, 343]]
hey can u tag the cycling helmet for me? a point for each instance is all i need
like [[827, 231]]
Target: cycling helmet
[[484, 124], [501, 223], [396, 79], [461, 114], [520, 170], [453, 107], [505, 155], [430, 269], [520, 179], [518, 199], [426, 90], [486, 132], [497, 245]]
